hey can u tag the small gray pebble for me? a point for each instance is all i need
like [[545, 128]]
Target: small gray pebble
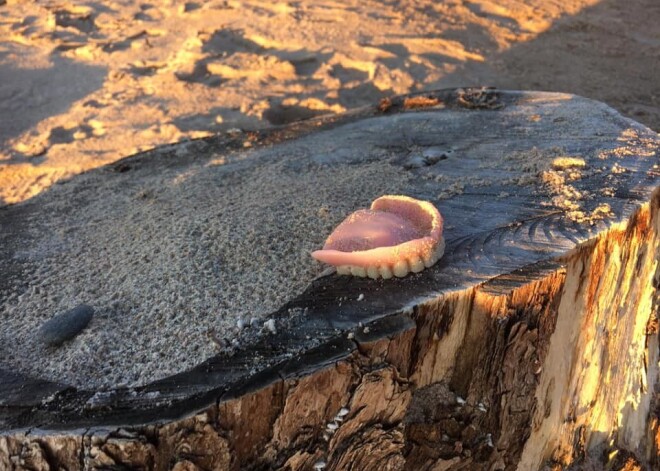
[[65, 326]]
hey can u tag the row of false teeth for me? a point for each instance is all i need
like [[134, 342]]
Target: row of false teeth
[[399, 269]]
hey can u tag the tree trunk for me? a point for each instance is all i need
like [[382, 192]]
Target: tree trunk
[[552, 365]]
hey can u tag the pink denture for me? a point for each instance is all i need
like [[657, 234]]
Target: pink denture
[[398, 235]]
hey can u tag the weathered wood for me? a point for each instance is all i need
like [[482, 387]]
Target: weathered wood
[[533, 343]]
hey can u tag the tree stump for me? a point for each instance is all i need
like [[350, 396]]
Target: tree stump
[[532, 344]]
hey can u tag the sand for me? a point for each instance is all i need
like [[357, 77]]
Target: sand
[[83, 84]]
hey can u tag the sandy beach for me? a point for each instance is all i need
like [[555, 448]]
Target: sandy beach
[[83, 84]]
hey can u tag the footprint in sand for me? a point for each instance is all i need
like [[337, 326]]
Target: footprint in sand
[[76, 16], [149, 13], [190, 7], [227, 54], [306, 66], [62, 135], [74, 27], [75, 132], [521, 19], [348, 75], [226, 42]]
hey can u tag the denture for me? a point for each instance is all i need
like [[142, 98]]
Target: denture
[[396, 236]]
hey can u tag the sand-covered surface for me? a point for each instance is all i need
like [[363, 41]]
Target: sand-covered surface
[[178, 264], [85, 83]]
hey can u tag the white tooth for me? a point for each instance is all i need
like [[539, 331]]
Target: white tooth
[[416, 264], [344, 270], [385, 272], [436, 254], [358, 271], [372, 272], [401, 268], [440, 249], [430, 260]]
